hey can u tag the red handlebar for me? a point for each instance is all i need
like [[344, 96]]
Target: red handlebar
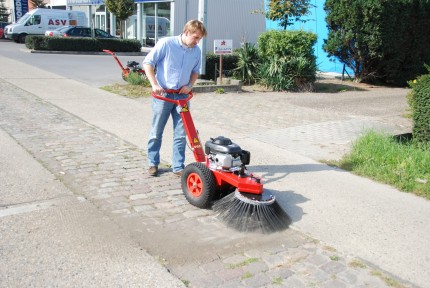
[[177, 102], [108, 51]]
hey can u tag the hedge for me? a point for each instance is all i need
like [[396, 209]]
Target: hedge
[[37, 42], [420, 106]]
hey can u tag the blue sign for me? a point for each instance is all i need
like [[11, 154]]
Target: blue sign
[[20, 7], [84, 2]]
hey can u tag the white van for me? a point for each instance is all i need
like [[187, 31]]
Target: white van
[[37, 21]]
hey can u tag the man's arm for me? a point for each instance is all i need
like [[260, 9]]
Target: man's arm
[[150, 73]]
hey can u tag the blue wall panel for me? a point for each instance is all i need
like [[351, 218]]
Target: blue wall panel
[[316, 24]]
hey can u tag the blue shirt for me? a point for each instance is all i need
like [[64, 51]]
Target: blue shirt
[[174, 62]]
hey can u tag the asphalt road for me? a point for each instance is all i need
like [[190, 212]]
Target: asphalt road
[[93, 70]]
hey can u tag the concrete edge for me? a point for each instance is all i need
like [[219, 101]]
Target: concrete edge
[[213, 88]]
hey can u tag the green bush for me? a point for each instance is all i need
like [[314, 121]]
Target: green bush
[[381, 41], [288, 61], [81, 44], [118, 45], [70, 44], [405, 27], [419, 99], [35, 42]]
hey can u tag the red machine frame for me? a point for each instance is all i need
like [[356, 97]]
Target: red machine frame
[[245, 183]]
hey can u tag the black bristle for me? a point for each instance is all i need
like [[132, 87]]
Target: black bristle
[[246, 215]]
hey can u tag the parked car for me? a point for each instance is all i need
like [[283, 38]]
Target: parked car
[[78, 31], [56, 32], [2, 26]]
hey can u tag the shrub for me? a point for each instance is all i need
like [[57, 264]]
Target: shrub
[[381, 41], [419, 99], [70, 44], [405, 26], [81, 44], [288, 61], [35, 42], [248, 64], [118, 45]]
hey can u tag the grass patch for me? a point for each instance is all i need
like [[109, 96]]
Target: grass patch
[[246, 275], [336, 86], [388, 281], [357, 264], [135, 78], [277, 281], [334, 258], [243, 263], [328, 248], [402, 164], [219, 91], [128, 90]]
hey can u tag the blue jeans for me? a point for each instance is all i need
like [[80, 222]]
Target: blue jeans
[[161, 110]]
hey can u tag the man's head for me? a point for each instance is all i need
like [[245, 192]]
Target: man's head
[[193, 32]]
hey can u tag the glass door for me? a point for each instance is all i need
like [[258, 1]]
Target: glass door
[[155, 22]]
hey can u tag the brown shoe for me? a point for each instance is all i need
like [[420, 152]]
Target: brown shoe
[[178, 173], [153, 171]]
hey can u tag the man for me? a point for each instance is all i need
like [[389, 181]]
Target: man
[[177, 61]]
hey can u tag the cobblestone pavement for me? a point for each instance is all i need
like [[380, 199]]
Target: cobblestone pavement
[[320, 126], [111, 173]]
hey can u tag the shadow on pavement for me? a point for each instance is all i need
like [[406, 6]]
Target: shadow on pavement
[[272, 173]]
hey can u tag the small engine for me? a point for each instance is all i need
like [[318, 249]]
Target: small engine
[[226, 155], [134, 66]]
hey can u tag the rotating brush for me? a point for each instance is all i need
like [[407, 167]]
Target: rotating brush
[[251, 213]]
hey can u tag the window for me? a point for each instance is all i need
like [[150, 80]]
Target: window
[[101, 33], [34, 20]]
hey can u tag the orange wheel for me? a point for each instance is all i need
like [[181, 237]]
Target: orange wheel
[[198, 185], [194, 184]]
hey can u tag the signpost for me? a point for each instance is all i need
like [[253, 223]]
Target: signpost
[[222, 47]]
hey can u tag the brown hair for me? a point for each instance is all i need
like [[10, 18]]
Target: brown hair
[[193, 26]]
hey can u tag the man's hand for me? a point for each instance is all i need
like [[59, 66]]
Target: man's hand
[[158, 90], [185, 90]]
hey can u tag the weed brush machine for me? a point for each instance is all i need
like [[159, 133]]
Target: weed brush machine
[[220, 174], [132, 66]]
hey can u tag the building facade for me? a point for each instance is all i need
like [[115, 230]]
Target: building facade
[[225, 19]]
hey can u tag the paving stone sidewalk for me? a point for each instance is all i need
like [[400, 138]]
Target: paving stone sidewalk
[[111, 174]]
